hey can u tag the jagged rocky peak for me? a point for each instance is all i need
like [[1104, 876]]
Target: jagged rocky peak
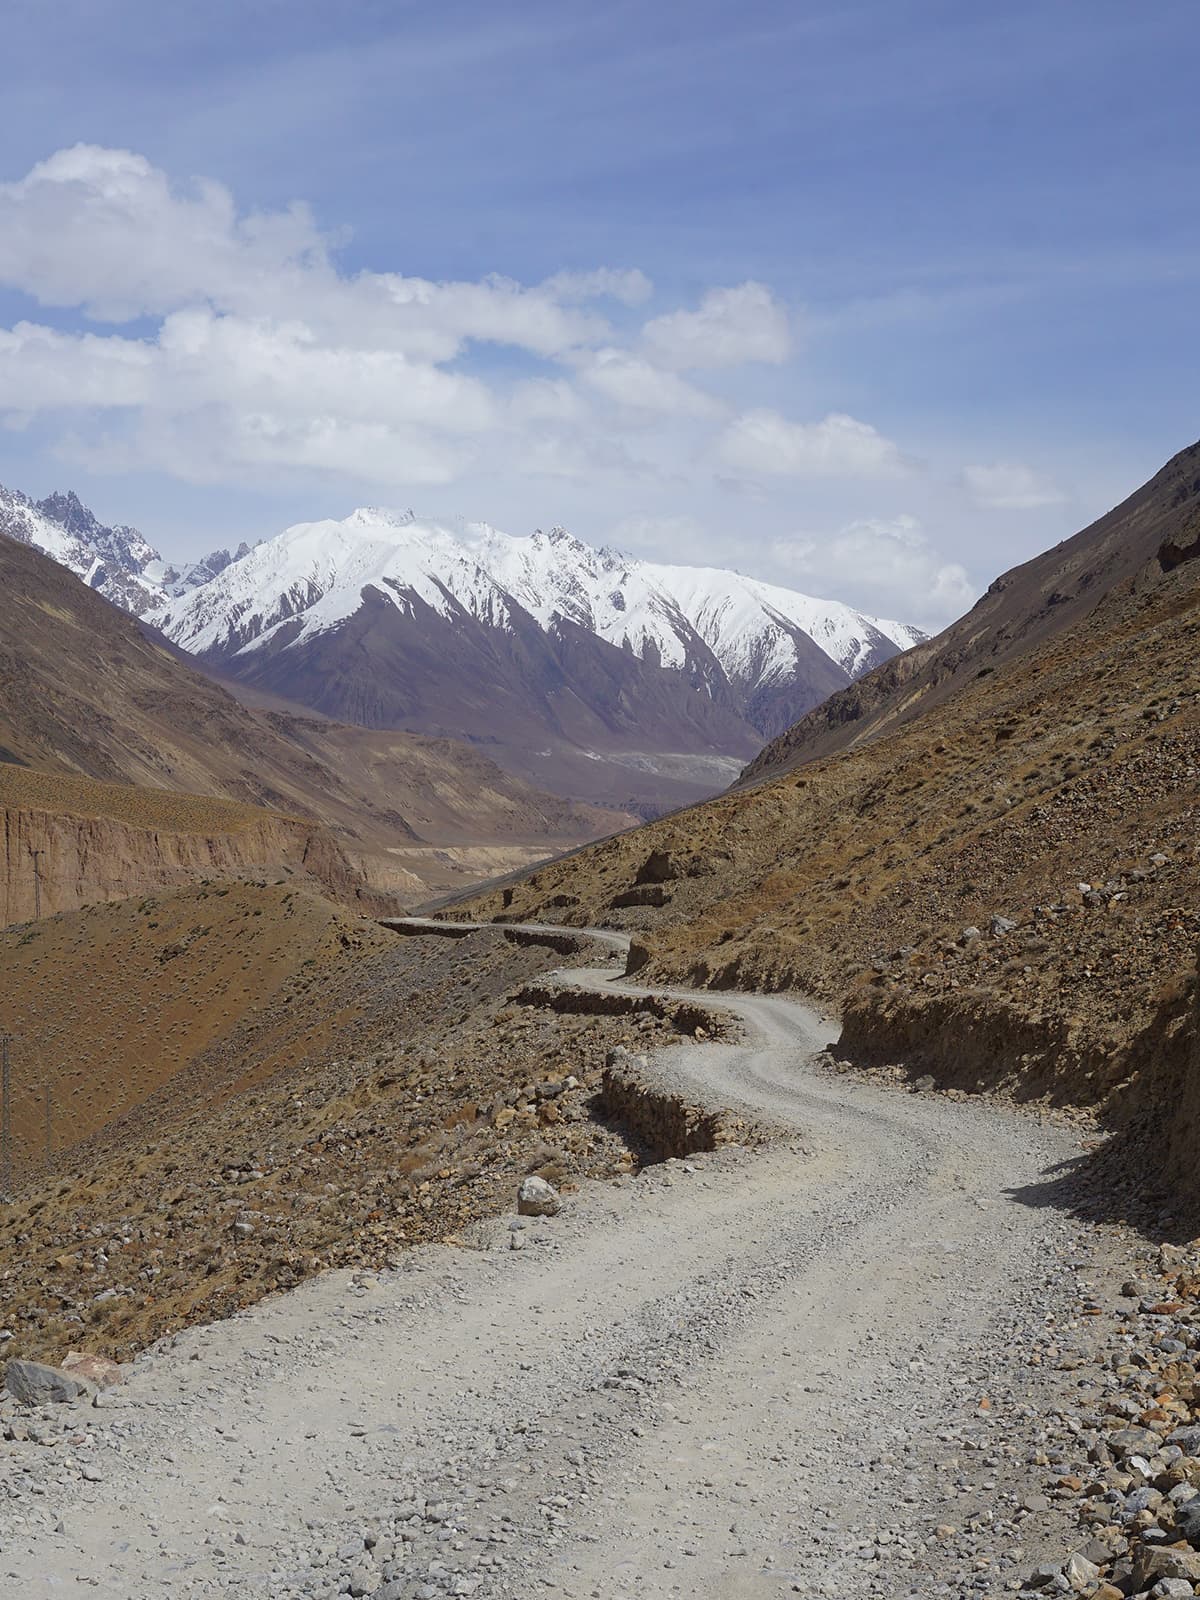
[[69, 511], [117, 561]]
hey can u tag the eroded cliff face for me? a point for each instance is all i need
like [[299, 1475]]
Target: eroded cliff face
[[72, 861]]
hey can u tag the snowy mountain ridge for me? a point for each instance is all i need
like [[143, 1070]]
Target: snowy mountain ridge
[[116, 561], [312, 577]]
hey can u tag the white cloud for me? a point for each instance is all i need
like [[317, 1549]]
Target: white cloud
[[629, 285], [635, 384], [674, 538], [42, 369], [106, 231], [546, 400], [882, 564], [217, 445], [732, 326], [281, 367], [252, 353], [1010, 486], [102, 229], [839, 446]]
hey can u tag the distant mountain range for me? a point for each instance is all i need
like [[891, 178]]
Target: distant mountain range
[[617, 680], [117, 562]]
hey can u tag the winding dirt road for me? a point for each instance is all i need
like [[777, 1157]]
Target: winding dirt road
[[747, 1374]]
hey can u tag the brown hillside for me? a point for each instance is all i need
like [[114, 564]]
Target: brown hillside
[[1057, 791], [1024, 608], [85, 691], [247, 1085], [70, 842]]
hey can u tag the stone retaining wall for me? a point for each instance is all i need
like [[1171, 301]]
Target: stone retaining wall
[[657, 1112]]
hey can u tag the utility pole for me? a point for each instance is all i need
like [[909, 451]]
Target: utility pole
[[5, 1120], [37, 883]]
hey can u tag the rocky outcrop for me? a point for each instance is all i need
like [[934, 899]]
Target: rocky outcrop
[[62, 861]]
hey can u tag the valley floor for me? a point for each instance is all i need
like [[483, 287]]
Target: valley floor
[[804, 1369]]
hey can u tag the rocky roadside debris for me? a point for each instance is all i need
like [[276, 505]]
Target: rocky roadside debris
[[81, 1376], [1134, 1476]]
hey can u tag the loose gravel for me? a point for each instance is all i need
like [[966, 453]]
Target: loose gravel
[[798, 1370]]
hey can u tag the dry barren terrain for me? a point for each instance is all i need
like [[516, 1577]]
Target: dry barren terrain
[[1001, 890], [248, 1085]]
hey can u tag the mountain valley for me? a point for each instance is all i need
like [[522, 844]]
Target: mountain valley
[[983, 854], [101, 720], [907, 1232], [632, 685]]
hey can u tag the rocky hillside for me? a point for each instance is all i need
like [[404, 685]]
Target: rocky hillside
[[1157, 528], [247, 1085], [998, 883], [84, 692]]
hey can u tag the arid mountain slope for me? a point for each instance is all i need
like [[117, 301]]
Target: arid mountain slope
[[1050, 803], [1156, 527], [84, 691], [69, 842], [247, 1084]]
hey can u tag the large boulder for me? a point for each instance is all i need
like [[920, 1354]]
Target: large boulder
[[37, 1385], [637, 957], [1156, 1562], [658, 867], [537, 1198], [92, 1368]]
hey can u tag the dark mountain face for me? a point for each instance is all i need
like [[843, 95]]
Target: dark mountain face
[[1155, 528], [569, 710]]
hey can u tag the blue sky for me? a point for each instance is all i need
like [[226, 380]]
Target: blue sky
[[967, 232]]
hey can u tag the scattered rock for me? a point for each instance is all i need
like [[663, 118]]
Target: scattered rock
[[537, 1198], [98, 1370], [37, 1384]]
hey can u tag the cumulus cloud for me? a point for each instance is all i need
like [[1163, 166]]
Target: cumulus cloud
[[637, 385], [732, 326], [839, 446], [107, 231], [1010, 486], [42, 369], [103, 229], [200, 339], [882, 563]]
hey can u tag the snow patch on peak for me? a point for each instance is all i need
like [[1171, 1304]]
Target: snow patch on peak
[[317, 573]]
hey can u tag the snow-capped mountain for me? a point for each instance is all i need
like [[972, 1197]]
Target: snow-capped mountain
[[118, 562], [563, 659], [703, 622], [111, 560], [602, 677], [749, 625]]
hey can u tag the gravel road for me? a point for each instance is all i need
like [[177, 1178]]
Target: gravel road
[[794, 1370]]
